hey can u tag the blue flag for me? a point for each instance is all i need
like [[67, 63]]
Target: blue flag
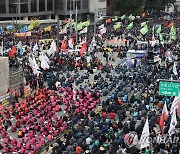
[[1, 31], [19, 45], [10, 27], [23, 29]]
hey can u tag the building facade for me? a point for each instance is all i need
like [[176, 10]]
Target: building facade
[[4, 75], [25, 9], [97, 8], [177, 6], [42, 9], [66, 7]]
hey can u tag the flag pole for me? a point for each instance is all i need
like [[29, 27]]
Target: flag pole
[[76, 21], [95, 23], [70, 20], [58, 31]]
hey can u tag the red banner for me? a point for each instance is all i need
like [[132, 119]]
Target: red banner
[[22, 34]]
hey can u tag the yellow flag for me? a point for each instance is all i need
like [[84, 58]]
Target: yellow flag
[[118, 25], [30, 27], [47, 29]]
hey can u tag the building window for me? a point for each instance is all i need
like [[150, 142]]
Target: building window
[[109, 2], [60, 5], [41, 5], [2, 6], [24, 6], [33, 5], [78, 3], [68, 5], [85, 4], [49, 5], [13, 6]]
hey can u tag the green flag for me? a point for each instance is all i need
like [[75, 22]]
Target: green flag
[[131, 17], [86, 23], [123, 17], [160, 37], [143, 24], [75, 25], [158, 30], [67, 24], [79, 26], [115, 19], [117, 25], [130, 25], [172, 34], [144, 30]]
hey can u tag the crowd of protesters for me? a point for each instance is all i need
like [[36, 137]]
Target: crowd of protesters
[[99, 116]]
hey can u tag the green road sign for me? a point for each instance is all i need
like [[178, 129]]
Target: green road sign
[[169, 88]]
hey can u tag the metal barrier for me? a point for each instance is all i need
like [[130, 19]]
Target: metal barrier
[[16, 78]]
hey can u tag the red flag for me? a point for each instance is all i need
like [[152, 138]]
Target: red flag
[[63, 45], [143, 15], [108, 20], [57, 49], [25, 90], [65, 21], [171, 24], [178, 110], [1, 107], [73, 40], [163, 118], [12, 52], [83, 49]]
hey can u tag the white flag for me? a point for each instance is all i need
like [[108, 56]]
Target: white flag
[[174, 105], [174, 69], [35, 48], [84, 40], [173, 124], [102, 31], [44, 64], [71, 43], [83, 31], [34, 65], [93, 44], [1, 51], [44, 56], [144, 140], [63, 31], [101, 26], [156, 58], [31, 62], [52, 48]]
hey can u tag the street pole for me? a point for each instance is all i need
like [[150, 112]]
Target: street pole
[[76, 21], [19, 9], [70, 20], [95, 23], [58, 31], [16, 13]]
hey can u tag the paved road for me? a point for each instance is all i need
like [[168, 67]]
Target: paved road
[[91, 79]]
